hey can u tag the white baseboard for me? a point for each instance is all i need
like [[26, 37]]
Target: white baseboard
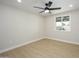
[[20, 45], [11, 48], [76, 43]]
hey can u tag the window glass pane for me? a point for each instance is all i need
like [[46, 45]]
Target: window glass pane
[[58, 19], [66, 18], [63, 23]]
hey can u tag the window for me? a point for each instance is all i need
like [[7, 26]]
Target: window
[[63, 23]]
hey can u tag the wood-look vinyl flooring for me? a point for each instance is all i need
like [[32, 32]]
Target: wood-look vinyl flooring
[[45, 48]]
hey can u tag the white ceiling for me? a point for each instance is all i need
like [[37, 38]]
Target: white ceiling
[[28, 5]]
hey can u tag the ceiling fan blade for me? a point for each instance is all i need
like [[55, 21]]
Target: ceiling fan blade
[[38, 7], [50, 3], [54, 8], [41, 11]]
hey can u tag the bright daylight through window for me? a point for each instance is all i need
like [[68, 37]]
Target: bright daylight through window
[[63, 23]]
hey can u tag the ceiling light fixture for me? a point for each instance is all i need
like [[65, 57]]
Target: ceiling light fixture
[[71, 5], [19, 1], [46, 11]]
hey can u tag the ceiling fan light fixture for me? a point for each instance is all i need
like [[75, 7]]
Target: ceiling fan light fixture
[[46, 11]]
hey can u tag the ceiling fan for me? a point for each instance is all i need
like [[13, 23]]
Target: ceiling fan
[[48, 8]]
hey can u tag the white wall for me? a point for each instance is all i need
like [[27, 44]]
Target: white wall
[[18, 27], [72, 36]]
